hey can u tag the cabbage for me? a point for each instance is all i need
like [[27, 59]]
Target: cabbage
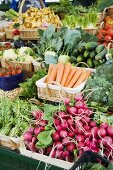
[[23, 51], [9, 54], [63, 59]]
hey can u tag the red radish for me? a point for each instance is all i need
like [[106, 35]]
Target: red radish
[[64, 124], [72, 110], [65, 154], [86, 148], [78, 97], [71, 135], [93, 124], [34, 139], [79, 105], [70, 121], [99, 141], [88, 112], [79, 123], [104, 125], [32, 147], [56, 136], [93, 146], [86, 119], [95, 141], [80, 111], [110, 131], [49, 149], [58, 127], [53, 154], [87, 142], [102, 132], [95, 150], [43, 122], [66, 141], [71, 147], [37, 130], [80, 131], [88, 134], [59, 154], [59, 146], [42, 128], [86, 127], [31, 130], [37, 114], [80, 138], [81, 152], [107, 140], [81, 145], [28, 137], [63, 115], [94, 131], [75, 131], [56, 121], [66, 101], [63, 133], [71, 127]]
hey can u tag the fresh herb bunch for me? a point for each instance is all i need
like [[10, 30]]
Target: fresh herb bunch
[[96, 166], [29, 87], [15, 116]]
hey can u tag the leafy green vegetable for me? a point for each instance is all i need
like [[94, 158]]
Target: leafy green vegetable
[[29, 87], [96, 166]]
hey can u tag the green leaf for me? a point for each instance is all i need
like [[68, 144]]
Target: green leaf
[[48, 33]]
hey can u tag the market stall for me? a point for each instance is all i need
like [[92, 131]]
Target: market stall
[[56, 87]]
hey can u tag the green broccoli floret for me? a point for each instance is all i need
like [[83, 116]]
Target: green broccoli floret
[[110, 97], [99, 89]]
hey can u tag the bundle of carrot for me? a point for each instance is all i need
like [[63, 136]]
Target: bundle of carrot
[[66, 75]]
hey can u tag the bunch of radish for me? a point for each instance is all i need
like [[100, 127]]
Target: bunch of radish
[[75, 132]]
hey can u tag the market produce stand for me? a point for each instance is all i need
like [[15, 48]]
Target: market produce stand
[[56, 87]]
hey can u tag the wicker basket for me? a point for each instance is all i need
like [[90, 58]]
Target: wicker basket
[[110, 10], [55, 92], [10, 142], [25, 34], [91, 31], [27, 68]]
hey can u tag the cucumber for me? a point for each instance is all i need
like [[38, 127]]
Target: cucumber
[[99, 48], [91, 46], [72, 59], [80, 58], [75, 52], [96, 63], [93, 54], [86, 54], [90, 62], [81, 49], [101, 55]]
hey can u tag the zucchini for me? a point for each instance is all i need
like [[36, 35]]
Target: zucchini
[[86, 54], [99, 48], [75, 52], [72, 59], [91, 46], [101, 55], [90, 62], [81, 47], [93, 54], [80, 58]]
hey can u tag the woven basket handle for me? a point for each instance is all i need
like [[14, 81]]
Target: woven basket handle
[[21, 6], [104, 12], [82, 63], [35, 101], [55, 83]]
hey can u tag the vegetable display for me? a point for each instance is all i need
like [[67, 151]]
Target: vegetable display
[[5, 72], [66, 75]]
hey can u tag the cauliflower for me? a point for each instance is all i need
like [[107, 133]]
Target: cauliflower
[[23, 51], [9, 54]]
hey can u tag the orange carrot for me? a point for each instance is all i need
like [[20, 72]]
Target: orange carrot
[[67, 70], [71, 74], [49, 72], [60, 72], [53, 74], [81, 79], [75, 78], [88, 73]]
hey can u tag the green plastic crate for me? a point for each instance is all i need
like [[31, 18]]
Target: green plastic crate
[[10, 160]]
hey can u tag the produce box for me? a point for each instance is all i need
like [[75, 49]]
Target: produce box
[[10, 160], [57, 93], [46, 159]]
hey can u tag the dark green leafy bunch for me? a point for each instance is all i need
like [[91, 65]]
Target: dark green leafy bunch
[[100, 85], [29, 87], [96, 166]]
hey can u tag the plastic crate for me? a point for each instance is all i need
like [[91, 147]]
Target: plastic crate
[[91, 157], [10, 160], [11, 82]]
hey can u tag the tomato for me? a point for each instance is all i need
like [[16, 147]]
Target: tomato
[[110, 32], [107, 38], [103, 32], [107, 27], [99, 36]]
